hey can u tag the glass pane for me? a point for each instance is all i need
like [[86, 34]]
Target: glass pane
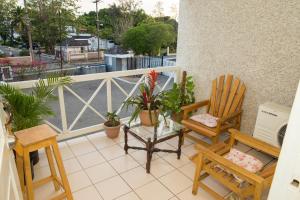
[[165, 128]]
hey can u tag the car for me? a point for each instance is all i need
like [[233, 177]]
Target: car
[[2, 54], [35, 46]]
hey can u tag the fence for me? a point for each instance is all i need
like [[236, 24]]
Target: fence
[[104, 84]]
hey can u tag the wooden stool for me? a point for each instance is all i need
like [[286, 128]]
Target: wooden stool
[[30, 140]]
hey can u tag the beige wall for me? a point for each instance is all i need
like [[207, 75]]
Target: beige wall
[[254, 39]]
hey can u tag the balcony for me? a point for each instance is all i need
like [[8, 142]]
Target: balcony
[[97, 167]]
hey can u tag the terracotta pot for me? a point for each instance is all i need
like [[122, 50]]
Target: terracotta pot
[[112, 131], [145, 117], [177, 117]]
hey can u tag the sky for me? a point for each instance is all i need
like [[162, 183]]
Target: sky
[[147, 5]]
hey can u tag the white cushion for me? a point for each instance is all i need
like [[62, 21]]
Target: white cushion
[[206, 119]]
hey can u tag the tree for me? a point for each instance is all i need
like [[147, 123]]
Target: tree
[[6, 18], [149, 38], [174, 24], [158, 10], [115, 20], [49, 19]]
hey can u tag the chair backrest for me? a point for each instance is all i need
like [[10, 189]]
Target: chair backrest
[[227, 96]]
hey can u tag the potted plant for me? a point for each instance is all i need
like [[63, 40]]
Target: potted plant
[[112, 125], [28, 110], [179, 95], [148, 103]]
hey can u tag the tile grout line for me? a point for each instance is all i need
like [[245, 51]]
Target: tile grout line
[[118, 174], [92, 184]]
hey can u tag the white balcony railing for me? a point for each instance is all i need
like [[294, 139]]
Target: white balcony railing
[[108, 79]]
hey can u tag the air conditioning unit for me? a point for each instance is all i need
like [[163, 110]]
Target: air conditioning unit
[[271, 123]]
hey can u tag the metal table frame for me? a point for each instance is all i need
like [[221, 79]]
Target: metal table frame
[[150, 145]]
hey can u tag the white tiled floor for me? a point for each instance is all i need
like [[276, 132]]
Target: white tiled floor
[[98, 169]]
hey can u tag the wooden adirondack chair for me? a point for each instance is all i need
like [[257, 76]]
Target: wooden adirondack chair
[[211, 162], [225, 103]]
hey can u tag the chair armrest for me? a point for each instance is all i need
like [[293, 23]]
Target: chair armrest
[[243, 173], [254, 143], [269, 170], [189, 108]]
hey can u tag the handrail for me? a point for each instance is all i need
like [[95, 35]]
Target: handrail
[[104, 75], [106, 80]]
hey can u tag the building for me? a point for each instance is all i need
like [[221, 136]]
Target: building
[[74, 48], [81, 47]]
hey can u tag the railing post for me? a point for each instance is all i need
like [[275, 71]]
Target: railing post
[[108, 92], [177, 75], [63, 114]]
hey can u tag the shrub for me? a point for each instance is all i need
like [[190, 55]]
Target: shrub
[[24, 52]]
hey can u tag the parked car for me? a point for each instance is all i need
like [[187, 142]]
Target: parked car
[[35, 46], [2, 54]]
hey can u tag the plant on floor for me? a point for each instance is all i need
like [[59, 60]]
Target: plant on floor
[[28, 110], [147, 104], [112, 125], [179, 95]]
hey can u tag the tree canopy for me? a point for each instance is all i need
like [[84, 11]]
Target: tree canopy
[[7, 9], [115, 20], [49, 19], [149, 38]]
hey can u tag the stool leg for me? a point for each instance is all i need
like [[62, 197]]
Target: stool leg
[[28, 176], [52, 168], [20, 169], [61, 169]]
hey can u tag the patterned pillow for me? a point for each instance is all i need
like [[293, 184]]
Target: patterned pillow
[[206, 119], [244, 160]]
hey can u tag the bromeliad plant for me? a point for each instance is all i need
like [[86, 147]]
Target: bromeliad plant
[[147, 100]]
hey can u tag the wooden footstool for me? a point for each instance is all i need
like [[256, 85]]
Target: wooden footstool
[[32, 139]]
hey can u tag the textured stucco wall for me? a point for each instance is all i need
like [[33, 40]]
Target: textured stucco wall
[[255, 40]]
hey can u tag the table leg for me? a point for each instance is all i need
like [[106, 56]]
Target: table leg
[[179, 144], [126, 139], [149, 154]]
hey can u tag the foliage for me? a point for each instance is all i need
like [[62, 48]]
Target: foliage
[[6, 18], [180, 95], [28, 110], [115, 20], [49, 19], [2, 55], [147, 99], [149, 38], [24, 52], [112, 119]]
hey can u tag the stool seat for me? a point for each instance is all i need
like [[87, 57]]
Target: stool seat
[[32, 139], [35, 135]]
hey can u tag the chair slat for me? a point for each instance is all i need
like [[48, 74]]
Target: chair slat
[[231, 97], [237, 99], [225, 95], [213, 97], [219, 94]]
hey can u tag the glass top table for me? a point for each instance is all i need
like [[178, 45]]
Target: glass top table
[[151, 136]]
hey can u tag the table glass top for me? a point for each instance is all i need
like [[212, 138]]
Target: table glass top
[[165, 128]]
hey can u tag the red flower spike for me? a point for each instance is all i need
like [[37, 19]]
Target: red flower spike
[[145, 98], [153, 75]]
